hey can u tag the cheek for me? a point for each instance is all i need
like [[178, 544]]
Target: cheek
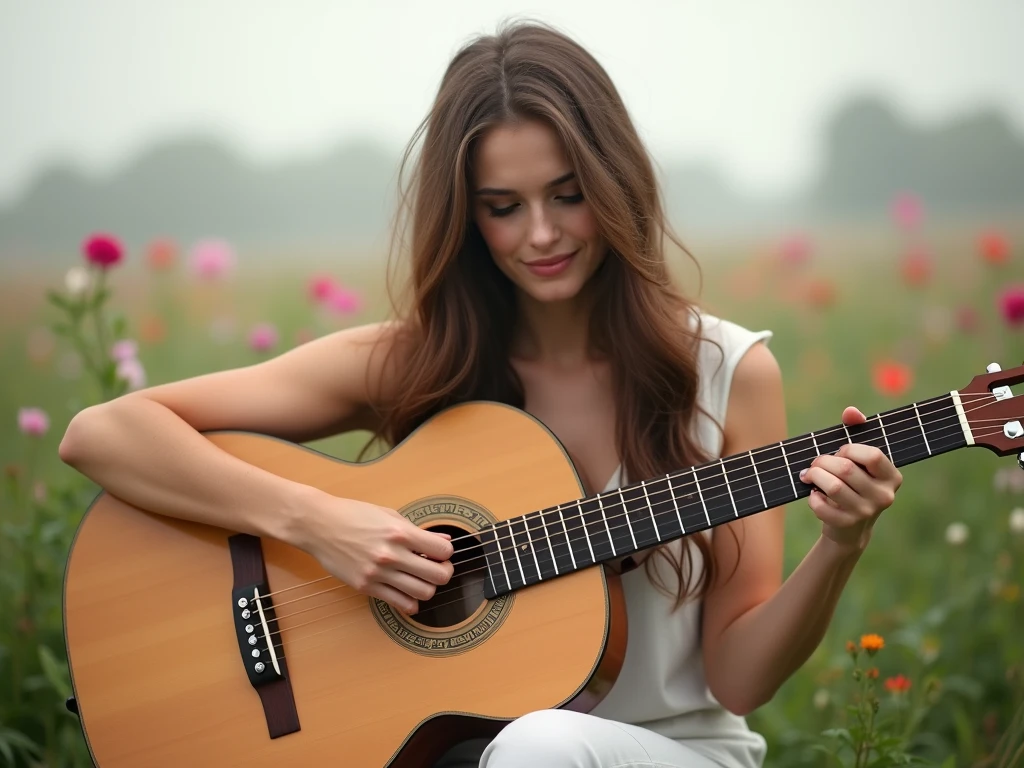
[[502, 237]]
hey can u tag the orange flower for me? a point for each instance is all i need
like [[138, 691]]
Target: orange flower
[[898, 684], [820, 293], [994, 248], [892, 378], [871, 673], [161, 254], [152, 329], [872, 643], [851, 647], [916, 266]]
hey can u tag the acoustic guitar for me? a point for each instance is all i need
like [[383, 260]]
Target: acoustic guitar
[[191, 645]]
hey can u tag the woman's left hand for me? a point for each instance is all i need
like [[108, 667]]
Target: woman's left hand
[[856, 483]]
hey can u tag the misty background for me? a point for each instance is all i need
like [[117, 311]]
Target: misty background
[[281, 125]]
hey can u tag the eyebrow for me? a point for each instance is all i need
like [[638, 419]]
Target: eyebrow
[[554, 183]]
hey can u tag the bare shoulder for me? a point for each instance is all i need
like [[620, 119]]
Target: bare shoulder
[[320, 388]]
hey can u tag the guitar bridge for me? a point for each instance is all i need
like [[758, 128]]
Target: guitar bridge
[[258, 634]]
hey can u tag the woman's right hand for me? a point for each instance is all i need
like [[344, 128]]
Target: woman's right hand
[[376, 551]]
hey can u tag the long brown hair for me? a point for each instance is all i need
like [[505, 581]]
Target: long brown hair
[[459, 310]]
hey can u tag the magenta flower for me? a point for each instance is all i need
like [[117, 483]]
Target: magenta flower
[[1011, 305], [907, 211], [211, 259], [344, 301], [131, 371], [320, 287], [33, 421], [103, 251], [125, 349], [263, 337]]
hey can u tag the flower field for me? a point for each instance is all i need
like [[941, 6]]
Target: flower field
[[924, 659]]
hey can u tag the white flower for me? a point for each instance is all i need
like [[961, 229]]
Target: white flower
[[956, 534], [821, 698], [1017, 520], [77, 280]]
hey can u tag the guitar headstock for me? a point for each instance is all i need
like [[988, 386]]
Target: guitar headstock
[[995, 416]]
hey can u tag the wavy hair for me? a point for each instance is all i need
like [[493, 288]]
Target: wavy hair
[[458, 312]]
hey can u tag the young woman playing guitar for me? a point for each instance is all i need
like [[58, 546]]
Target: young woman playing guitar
[[537, 279]]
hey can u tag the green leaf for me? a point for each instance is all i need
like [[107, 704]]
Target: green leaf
[[119, 325], [55, 671], [59, 300], [12, 738]]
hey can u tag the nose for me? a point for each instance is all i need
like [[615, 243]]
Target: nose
[[544, 231]]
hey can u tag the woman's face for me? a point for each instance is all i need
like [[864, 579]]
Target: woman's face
[[529, 208]]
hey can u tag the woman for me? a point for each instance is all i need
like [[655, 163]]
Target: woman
[[538, 278]]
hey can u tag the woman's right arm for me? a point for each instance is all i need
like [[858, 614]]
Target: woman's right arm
[[146, 449]]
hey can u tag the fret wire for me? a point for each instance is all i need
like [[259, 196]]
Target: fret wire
[[757, 477], [551, 548], [625, 510], [789, 470], [501, 557], [701, 495], [657, 533], [533, 550], [487, 563], [515, 550], [847, 430], [568, 541], [923, 433], [814, 440], [888, 448], [728, 487], [586, 533], [675, 503], [611, 541]]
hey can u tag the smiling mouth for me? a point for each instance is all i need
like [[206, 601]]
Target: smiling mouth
[[551, 260]]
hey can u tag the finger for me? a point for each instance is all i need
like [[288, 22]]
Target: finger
[[425, 569], [437, 546], [412, 587], [847, 471], [831, 486], [853, 416], [396, 599], [872, 459]]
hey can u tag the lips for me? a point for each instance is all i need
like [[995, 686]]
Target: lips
[[550, 260]]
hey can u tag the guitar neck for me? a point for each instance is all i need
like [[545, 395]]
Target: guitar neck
[[563, 539]]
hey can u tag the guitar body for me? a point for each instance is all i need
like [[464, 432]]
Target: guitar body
[[156, 664]]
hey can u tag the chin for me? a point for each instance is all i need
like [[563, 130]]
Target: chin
[[551, 292]]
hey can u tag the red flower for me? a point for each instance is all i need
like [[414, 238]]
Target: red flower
[[103, 251], [1011, 305], [917, 266], [892, 378], [994, 248], [898, 684]]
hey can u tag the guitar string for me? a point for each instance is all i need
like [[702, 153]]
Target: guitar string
[[671, 492], [461, 573], [293, 652], [618, 526]]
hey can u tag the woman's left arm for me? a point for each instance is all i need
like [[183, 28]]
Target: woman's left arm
[[757, 630]]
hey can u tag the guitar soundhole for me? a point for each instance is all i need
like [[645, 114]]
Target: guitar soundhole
[[463, 595]]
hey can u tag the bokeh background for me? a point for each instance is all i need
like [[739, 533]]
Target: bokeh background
[[847, 174]]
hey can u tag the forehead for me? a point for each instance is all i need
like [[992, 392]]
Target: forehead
[[521, 156]]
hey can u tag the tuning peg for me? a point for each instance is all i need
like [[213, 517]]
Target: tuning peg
[[993, 368], [1003, 392], [1020, 459]]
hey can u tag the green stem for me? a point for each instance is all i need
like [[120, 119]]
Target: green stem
[[101, 332]]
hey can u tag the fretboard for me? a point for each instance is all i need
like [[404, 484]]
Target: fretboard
[[553, 542]]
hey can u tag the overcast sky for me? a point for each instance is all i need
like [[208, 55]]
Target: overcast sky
[[743, 83]]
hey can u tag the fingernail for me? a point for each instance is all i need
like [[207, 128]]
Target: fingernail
[[802, 473]]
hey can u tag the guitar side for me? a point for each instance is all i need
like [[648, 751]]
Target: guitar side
[[155, 661]]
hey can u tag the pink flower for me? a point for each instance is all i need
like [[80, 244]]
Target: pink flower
[[1011, 305], [33, 421], [103, 251], [320, 287], [967, 319], [125, 349], [907, 211], [344, 301], [131, 371], [795, 250], [211, 259], [262, 337]]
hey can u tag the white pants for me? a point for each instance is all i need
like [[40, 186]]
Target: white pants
[[558, 738]]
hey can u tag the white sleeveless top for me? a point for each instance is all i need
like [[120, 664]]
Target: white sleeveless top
[[661, 686]]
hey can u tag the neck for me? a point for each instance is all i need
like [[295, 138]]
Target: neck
[[578, 534], [554, 332]]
